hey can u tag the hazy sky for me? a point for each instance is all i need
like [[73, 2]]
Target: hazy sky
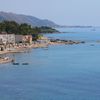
[[64, 12]]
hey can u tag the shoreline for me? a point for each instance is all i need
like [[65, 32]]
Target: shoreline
[[40, 45], [23, 49]]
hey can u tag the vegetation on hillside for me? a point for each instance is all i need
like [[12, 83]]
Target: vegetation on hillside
[[23, 29]]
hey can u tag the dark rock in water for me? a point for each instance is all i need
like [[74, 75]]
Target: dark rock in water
[[83, 42], [15, 63], [70, 41], [66, 41], [25, 63], [51, 40]]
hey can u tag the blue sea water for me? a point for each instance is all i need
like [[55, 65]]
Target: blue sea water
[[62, 72]]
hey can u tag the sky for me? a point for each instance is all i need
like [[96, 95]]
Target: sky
[[62, 12]]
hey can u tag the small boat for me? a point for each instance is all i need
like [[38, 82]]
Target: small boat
[[5, 60]]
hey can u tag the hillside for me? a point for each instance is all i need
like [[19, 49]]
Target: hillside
[[19, 18]]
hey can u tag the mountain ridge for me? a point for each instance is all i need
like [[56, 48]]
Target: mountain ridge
[[21, 18]]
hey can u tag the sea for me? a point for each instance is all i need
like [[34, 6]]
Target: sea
[[58, 72]]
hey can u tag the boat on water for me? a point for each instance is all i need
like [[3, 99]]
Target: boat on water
[[5, 60]]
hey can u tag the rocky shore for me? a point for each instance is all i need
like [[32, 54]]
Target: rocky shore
[[66, 42]]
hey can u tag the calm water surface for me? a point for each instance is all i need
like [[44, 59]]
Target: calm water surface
[[64, 72]]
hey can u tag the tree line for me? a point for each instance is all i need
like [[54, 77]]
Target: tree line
[[23, 29]]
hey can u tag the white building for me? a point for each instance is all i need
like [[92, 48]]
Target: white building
[[7, 38]]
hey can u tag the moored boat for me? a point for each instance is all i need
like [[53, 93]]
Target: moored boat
[[5, 60]]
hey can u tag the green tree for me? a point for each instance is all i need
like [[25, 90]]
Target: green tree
[[10, 27], [25, 29]]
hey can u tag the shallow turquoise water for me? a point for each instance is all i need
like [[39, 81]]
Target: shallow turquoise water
[[64, 72]]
